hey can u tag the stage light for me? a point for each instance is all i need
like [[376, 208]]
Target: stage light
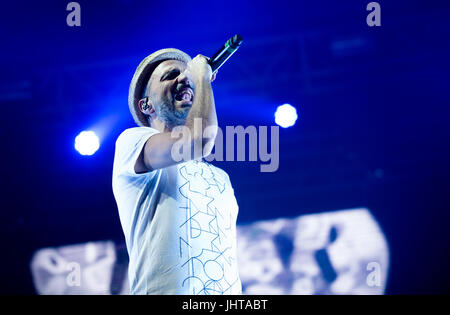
[[286, 115], [87, 143]]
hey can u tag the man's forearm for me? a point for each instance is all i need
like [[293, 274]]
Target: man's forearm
[[203, 108]]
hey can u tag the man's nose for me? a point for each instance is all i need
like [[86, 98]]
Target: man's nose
[[182, 78]]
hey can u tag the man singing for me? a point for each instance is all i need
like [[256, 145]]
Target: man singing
[[178, 217]]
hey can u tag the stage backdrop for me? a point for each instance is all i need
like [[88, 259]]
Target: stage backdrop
[[339, 252]]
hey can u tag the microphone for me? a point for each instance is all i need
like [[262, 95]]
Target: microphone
[[225, 52]]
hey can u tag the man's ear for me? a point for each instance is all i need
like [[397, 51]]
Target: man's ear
[[146, 107]]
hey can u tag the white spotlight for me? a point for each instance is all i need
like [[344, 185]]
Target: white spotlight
[[86, 143], [286, 115]]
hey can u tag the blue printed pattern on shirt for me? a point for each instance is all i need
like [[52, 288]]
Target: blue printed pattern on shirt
[[207, 250]]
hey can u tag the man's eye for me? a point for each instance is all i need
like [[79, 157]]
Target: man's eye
[[172, 75]]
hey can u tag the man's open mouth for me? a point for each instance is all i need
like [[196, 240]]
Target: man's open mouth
[[185, 94]]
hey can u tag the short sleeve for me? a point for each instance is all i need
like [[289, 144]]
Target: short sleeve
[[129, 146]]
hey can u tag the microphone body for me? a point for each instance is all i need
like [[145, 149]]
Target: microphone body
[[225, 52]]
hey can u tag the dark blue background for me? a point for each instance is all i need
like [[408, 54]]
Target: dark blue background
[[373, 106]]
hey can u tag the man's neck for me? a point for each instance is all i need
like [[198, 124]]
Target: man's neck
[[159, 125]]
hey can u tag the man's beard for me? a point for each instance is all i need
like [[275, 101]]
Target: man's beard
[[170, 116]]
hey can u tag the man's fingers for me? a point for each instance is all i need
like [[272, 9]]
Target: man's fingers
[[213, 77], [200, 68], [214, 74]]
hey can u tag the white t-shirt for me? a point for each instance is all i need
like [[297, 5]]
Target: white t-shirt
[[179, 223]]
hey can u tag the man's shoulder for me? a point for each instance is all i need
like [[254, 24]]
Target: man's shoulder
[[137, 130], [134, 132]]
